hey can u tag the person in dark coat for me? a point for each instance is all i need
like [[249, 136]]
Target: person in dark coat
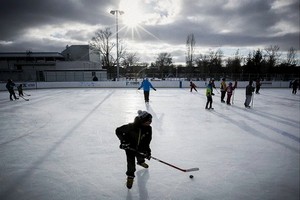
[[20, 90], [136, 137], [249, 92], [10, 87], [223, 87], [257, 85], [295, 85]]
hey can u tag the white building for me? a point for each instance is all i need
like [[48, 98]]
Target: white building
[[75, 63]]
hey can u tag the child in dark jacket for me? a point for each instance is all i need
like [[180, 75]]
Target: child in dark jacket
[[135, 137], [20, 90]]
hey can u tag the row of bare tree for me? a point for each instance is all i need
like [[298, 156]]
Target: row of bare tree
[[260, 61]]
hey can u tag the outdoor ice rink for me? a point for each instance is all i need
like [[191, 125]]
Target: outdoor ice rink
[[61, 145]]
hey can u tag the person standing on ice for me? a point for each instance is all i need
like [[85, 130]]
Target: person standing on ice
[[193, 86], [10, 87], [146, 85], [209, 95], [223, 90], [213, 86], [20, 90], [229, 91], [249, 90], [295, 85], [257, 86], [134, 137]]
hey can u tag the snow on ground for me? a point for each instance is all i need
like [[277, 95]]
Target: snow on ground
[[61, 144]]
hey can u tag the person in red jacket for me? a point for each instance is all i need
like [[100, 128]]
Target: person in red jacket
[[193, 86], [136, 137], [229, 90]]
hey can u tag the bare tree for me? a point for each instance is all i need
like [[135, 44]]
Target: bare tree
[[291, 57], [164, 63], [273, 55], [130, 59], [234, 64], [101, 43], [190, 45]]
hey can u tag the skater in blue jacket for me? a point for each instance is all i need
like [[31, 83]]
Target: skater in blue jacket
[[146, 85]]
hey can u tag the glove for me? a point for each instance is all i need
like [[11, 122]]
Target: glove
[[148, 156], [124, 146]]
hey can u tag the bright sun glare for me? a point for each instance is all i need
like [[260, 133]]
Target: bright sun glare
[[133, 13]]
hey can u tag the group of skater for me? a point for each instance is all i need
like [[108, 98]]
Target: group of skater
[[10, 88], [224, 88], [227, 89]]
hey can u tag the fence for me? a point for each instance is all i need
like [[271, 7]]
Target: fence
[[87, 75]]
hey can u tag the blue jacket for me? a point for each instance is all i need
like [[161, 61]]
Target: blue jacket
[[146, 85]]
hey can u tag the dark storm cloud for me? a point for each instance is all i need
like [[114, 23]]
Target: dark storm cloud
[[250, 23], [17, 16], [217, 23]]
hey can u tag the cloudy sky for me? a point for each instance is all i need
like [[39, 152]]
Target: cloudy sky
[[149, 27]]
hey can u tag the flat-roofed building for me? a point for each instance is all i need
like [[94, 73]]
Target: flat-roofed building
[[44, 66]]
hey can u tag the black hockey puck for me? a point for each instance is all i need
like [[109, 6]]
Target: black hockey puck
[[191, 176]]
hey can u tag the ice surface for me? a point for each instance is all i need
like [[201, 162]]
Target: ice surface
[[61, 144]]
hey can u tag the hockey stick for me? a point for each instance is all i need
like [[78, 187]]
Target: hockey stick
[[183, 170], [235, 86], [27, 94], [217, 90], [24, 98]]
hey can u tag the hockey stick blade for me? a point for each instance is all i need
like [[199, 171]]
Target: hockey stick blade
[[192, 169], [24, 98]]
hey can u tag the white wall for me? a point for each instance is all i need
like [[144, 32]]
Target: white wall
[[136, 84]]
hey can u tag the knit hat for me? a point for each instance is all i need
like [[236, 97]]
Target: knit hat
[[144, 116]]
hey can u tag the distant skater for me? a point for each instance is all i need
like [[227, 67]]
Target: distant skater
[[10, 87], [230, 88], [209, 96], [193, 86], [249, 92], [136, 136], [223, 90], [146, 85], [257, 86], [213, 86], [295, 85], [20, 90]]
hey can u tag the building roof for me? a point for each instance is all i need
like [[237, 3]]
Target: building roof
[[30, 54]]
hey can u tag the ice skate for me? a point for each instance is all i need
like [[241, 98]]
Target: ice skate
[[145, 165], [129, 182]]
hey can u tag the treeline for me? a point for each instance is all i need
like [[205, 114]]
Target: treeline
[[261, 62], [265, 64]]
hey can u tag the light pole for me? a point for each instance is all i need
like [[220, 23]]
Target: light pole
[[117, 12]]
